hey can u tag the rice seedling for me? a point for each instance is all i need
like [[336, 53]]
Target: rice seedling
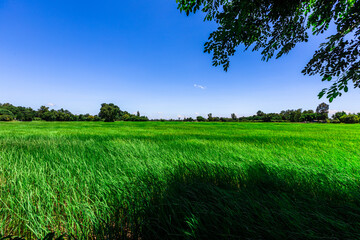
[[158, 180]]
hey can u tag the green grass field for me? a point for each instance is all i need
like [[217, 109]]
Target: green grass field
[[161, 180]]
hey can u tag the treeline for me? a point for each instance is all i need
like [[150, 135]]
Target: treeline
[[9, 112], [111, 112], [321, 114]]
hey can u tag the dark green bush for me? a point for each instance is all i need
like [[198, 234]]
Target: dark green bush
[[6, 112], [200, 119], [351, 118], [6, 118]]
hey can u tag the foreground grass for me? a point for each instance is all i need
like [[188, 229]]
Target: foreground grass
[[159, 180]]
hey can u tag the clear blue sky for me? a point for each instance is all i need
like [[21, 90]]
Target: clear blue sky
[[141, 55]]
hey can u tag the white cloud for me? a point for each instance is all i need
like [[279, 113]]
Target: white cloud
[[50, 104], [199, 86]]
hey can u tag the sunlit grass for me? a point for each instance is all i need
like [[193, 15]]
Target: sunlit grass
[[180, 180]]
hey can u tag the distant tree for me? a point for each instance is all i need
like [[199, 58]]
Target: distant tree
[[81, 118], [126, 117], [322, 111], [283, 115], [210, 117], [41, 111], [144, 118], [351, 118], [97, 118], [307, 116], [6, 115], [190, 119], [271, 117], [297, 115], [275, 27], [6, 112], [244, 119], [224, 119], [260, 113], [291, 115], [14, 110], [275, 117], [138, 119], [266, 117], [233, 117], [109, 112], [62, 115], [6, 118], [20, 113], [50, 115], [200, 119], [26, 114], [308, 111], [89, 117], [338, 115]]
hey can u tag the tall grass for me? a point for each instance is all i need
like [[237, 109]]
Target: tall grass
[[159, 180]]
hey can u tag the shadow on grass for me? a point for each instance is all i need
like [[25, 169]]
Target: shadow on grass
[[210, 202]]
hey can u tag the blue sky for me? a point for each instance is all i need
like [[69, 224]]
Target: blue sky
[[141, 55]]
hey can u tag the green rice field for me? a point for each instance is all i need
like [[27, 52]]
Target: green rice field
[[176, 180]]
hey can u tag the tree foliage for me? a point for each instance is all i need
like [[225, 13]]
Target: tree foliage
[[351, 118], [19, 113], [322, 111], [338, 115], [290, 115], [4, 111], [9, 112], [274, 27], [109, 112], [200, 119]]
